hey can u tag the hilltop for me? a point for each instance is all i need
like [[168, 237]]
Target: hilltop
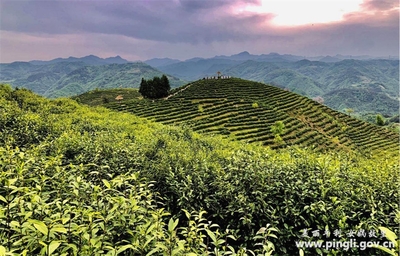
[[343, 84], [245, 110]]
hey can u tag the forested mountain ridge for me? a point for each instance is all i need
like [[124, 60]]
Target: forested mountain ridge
[[67, 78]]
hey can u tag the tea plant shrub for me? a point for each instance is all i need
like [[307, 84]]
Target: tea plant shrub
[[48, 208], [77, 165]]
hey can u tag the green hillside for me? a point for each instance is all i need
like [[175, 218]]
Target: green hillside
[[246, 111], [38, 78], [378, 79], [78, 180], [68, 78], [103, 96], [105, 76], [371, 98]]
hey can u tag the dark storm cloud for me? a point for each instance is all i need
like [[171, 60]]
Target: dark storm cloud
[[194, 5], [169, 21], [190, 5], [186, 28]]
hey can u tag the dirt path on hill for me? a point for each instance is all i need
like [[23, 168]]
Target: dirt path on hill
[[181, 90]]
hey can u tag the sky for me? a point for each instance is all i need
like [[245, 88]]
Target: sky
[[183, 29]]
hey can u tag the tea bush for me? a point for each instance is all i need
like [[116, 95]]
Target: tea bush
[[89, 181]]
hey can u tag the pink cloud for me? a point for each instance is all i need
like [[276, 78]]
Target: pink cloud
[[379, 5]]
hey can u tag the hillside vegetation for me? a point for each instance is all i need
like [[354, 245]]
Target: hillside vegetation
[[246, 111], [365, 86], [78, 180], [362, 84], [73, 77]]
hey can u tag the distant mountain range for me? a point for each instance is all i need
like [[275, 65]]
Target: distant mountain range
[[89, 60], [271, 57], [362, 83], [72, 76]]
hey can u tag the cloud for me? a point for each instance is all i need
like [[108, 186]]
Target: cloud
[[185, 28], [183, 21], [190, 5], [195, 5], [379, 5]]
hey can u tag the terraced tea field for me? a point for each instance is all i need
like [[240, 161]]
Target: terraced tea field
[[245, 110]]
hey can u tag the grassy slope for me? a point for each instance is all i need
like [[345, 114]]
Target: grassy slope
[[65, 160], [227, 107], [99, 97]]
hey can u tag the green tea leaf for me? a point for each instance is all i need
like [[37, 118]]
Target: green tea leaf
[[59, 229], [53, 246], [212, 236], [124, 248], [3, 199], [172, 224], [2, 251], [391, 236], [385, 249], [40, 226], [106, 183]]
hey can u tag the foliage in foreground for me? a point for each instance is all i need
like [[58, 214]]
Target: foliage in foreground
[[54, 209], [91, 181]]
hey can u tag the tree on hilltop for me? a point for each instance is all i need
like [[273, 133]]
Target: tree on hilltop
[[155, 88], [165, 83], [380, 120]]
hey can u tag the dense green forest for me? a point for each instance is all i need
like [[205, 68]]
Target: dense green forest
[[79, 180]]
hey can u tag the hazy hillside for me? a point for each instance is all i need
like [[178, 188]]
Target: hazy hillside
[[158, 62], [321, 76], [72, 76], [378, 79], [38, 78], [247, 111], [88, 60], [277, 74], [362, 100], [90, 181], [106, 76], [196, 69], [365, 85]]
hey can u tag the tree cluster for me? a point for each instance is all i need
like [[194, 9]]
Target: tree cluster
[[380, 120], [155, 88]]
